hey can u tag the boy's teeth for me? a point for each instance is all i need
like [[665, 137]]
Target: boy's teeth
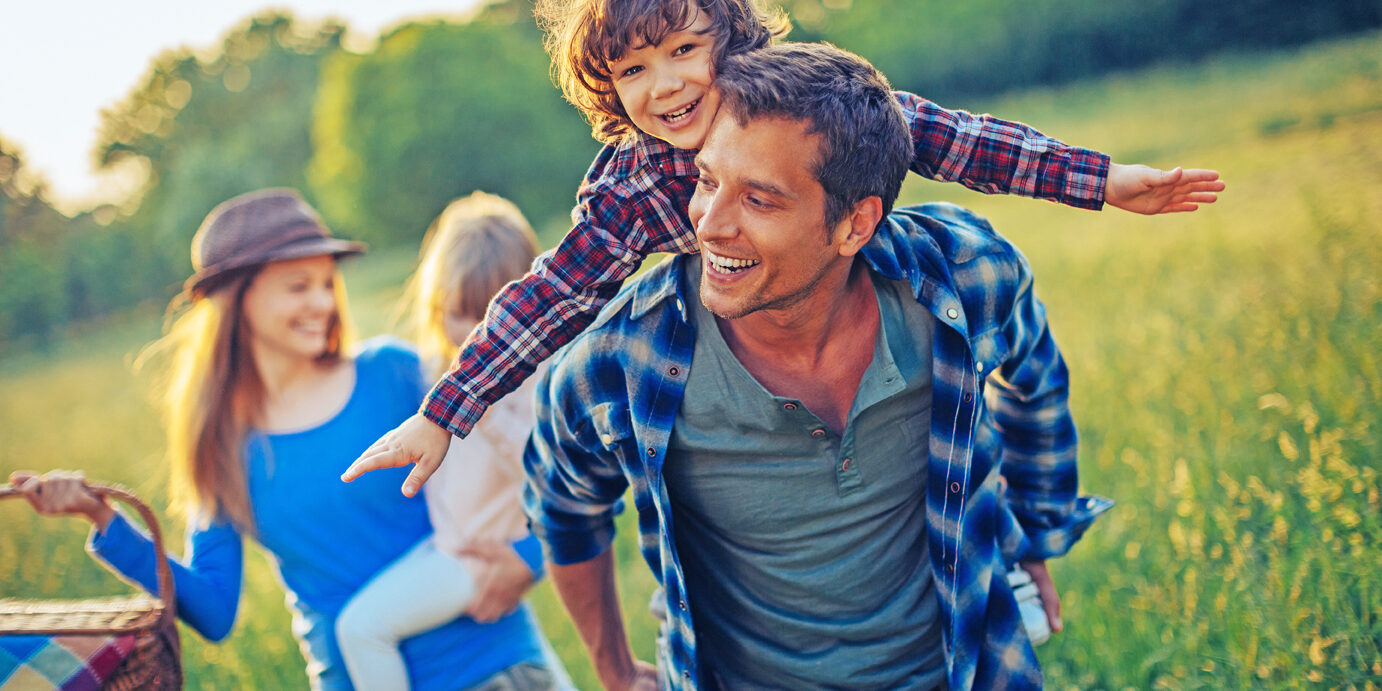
[[680, 113]]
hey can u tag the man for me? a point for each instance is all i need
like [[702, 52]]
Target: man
[[822, 489]]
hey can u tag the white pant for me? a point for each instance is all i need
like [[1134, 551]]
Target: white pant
[[387, 610]]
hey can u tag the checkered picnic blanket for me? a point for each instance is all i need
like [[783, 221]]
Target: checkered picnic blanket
[[67, 663]]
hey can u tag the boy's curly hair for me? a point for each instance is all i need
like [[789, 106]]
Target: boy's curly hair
[[585, 36]]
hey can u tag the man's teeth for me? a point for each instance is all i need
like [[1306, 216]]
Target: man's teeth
[[728, 265], [677, 115]]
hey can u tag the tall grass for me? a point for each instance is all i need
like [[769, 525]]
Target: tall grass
[[1227, 373]]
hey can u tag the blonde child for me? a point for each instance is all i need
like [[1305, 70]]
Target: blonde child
[[476, 246], [642, 73]]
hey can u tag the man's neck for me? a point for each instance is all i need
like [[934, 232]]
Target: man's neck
[[815, 351]]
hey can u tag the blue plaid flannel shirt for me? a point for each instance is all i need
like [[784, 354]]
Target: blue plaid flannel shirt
[[607, 405]]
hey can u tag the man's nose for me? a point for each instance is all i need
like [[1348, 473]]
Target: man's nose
[[713, 219]]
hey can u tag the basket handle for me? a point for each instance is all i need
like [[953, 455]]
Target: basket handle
[[165, 572]]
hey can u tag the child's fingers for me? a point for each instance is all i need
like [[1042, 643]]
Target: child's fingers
[[376, 459], [422, 470], [1204, 186], [1200, 175], [21, 477]]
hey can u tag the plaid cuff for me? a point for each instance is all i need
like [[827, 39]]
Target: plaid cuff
[[451, 408], [1084, 179]]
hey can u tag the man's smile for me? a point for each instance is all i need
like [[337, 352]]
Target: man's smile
[[728, 265]]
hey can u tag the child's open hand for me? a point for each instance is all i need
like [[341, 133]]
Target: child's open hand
[[1144, 190], [418, 441]]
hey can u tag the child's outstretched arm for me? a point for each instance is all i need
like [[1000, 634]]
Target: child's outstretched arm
[[1145, 190], [632, 203], [996, 156]]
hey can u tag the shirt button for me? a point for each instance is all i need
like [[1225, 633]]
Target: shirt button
[[651, 452], [950, 568], [606, 439], [682, 604], [969, 397], [952, 313], [818, 433], [673, 371], [978, 367], [955, 487], [685, 675], [789, 406], [680, 308], [849, 462]]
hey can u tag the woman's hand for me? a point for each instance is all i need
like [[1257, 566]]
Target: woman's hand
[[62, 493], [501, 579]]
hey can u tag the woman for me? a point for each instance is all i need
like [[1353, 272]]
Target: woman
[[264, 410]]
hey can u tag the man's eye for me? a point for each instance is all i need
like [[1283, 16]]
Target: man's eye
[[705, 183]]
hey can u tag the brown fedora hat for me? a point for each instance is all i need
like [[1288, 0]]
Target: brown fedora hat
[[254, 229]]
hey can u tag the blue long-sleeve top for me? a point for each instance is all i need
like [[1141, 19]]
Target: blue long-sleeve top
[[328, 538]]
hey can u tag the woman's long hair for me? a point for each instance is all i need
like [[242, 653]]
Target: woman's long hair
[[210, 395]]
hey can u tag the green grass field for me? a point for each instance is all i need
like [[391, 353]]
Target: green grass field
[[1227, 374]]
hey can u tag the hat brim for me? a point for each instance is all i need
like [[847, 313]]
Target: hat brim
[[209, 278]]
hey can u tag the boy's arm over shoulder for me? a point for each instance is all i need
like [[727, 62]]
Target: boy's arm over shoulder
[[632, 203], [996, 156]]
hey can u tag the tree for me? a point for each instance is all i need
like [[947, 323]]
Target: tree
[[439, 110], [207, 130]]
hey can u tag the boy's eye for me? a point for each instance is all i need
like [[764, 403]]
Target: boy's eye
[[684, 49], [631, 71]]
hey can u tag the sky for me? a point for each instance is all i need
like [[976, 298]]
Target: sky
[[65, 60]]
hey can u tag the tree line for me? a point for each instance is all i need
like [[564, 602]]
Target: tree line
[[380, 141]]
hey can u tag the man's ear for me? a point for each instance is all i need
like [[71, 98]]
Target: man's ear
[[861, 221]]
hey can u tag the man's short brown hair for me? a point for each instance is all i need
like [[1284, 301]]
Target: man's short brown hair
[[585, 36], [865, 144]]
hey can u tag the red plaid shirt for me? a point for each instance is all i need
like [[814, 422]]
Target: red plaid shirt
[[633, 203]]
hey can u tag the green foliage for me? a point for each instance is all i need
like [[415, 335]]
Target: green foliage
[[945, 50], [206, 130], [48, 261], [1226, 381], [434, 112]]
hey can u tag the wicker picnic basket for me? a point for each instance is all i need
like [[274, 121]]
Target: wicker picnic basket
[[155, 662]]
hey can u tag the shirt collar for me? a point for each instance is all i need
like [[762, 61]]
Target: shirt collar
[[650, 152], [660, 283]]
